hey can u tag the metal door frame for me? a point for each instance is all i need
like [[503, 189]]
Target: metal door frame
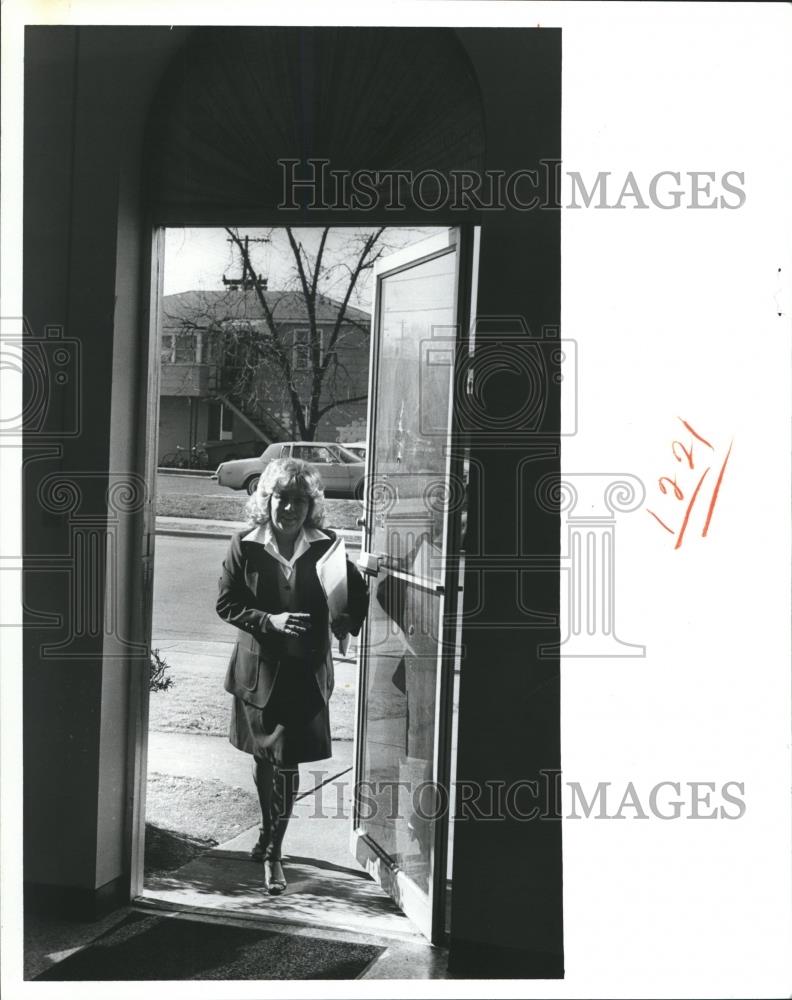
[[462, 240]]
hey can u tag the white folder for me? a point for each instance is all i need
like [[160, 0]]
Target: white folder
[[332, 572]]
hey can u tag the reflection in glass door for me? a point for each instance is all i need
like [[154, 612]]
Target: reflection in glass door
[[412, 527]]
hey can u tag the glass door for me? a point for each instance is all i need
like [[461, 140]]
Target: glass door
[[412, 527]]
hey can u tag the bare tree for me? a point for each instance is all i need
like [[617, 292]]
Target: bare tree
[[253, 341]]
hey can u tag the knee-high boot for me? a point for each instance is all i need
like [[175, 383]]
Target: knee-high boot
[[277, 789]]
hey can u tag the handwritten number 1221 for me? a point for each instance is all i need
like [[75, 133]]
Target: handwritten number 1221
[[693, 473]]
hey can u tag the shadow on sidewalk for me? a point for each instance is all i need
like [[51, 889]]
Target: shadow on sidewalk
[[321, 892]]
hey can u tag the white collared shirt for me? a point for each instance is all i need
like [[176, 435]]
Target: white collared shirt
[[264, 535]]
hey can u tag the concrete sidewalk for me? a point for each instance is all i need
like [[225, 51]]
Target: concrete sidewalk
[[197, 527], [328, 887], [322, 815], [190, 755]]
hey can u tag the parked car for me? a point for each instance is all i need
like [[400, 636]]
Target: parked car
[[342, 472], [357, 448]]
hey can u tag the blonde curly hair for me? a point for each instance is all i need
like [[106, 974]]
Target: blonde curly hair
[[284, 474]]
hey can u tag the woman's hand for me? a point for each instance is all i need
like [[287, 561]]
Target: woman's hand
[[341, 626], [292, 623]]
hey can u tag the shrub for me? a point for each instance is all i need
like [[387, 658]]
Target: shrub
[[157, 679]]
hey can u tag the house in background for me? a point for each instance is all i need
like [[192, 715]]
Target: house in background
[[208, 391]]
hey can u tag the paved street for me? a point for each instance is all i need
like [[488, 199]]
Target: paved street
[[186, 571], [176, 492]]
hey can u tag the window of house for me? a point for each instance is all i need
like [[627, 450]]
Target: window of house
[[301, 349], [167, 349], [213, 348], [185, 348]]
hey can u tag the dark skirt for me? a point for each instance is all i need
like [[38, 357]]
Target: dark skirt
[[296, 703]]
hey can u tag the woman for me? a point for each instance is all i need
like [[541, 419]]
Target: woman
[[281, 669]]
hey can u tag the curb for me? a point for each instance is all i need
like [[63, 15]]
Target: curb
[[202, 473], [350, 536], [188, 533]]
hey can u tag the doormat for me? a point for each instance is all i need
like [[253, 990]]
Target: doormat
[[143, 947]]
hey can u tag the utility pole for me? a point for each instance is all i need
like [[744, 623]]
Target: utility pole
[[248, 279]]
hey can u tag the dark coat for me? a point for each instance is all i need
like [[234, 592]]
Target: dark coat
[[248, 587]]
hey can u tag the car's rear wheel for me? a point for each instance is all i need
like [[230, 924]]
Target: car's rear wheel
[[360, 489], [251, 484]]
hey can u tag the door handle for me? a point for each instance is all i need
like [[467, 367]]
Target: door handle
[[361, 522], [368, 562]]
